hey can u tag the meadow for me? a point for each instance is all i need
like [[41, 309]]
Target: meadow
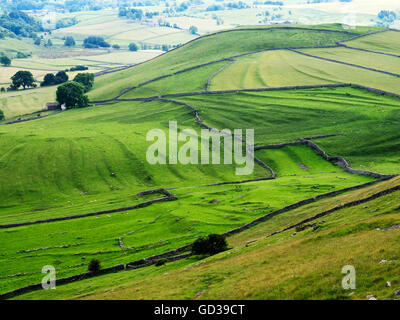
[[291, 265], [288, 68], [213, 47], [387, 42], [286, 116]]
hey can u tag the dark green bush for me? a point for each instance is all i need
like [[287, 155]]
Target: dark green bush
[[94, 265], [211, 244], [161, 262]]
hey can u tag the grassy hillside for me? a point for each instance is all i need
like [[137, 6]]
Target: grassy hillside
[[287, 68], [364, 122], [290, 265], [213, 47], [387, 42], [366, 59]]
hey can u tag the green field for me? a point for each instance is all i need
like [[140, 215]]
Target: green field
[[285, 116], [94, 159], [290, 265], [287, 68], [365, 59], [214, 47], [387, 42]]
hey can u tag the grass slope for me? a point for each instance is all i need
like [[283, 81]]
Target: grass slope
[[305, 265], [366, 122], [287, 68], [387, 42], [213, 47]]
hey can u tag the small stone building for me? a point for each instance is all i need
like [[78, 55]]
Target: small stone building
[[53, 106]]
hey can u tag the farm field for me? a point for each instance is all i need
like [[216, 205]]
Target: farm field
[[16, 103], [365, 59], [121, 31], [286, 116], [315, 255], [288, 68], [387, 42], [94, 161], [214, 47]]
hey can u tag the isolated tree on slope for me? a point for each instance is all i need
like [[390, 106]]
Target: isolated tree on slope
[[69, 42], [193, 30], [72, 94], [5, 61], [133, 47], [24, 79]]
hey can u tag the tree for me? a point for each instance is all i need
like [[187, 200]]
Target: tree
[[94, 265], [72, 94], [86, 79], [116, 46], [24, 79], [133, 47], [95, 42], [61, 77], [211, 244], [49, 43], [37, 42], [193, 30], [5, 61], [69, 42], [48, 80], [1, 115]]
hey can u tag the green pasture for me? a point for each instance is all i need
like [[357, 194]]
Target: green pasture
[[286, 68], [366, 123], [387, 42], [365, 59], [291, 265], [214, 47]]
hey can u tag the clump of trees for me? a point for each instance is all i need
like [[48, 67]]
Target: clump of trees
[[79, 68], [5, 61], [69, 42], [212, 244], [93, 42], [85, 79], [20, 24], [72, 95], [50, 79], [22, 79]]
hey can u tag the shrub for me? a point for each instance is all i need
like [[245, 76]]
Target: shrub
[[79, 68], [211, 244], [94, 265], [133, 47], [95, 42], [161, 262]]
